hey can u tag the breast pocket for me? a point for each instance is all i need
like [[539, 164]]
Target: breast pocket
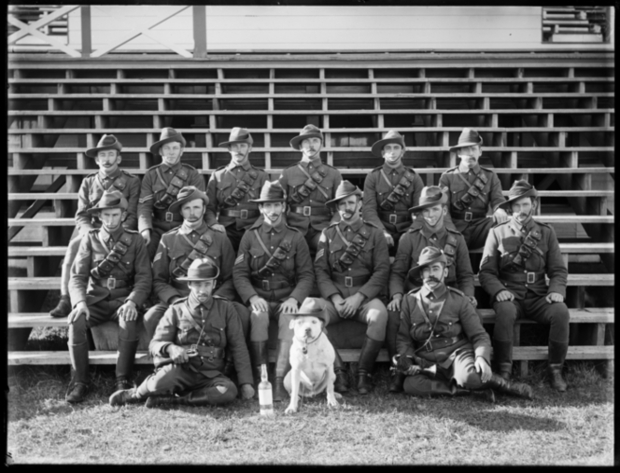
[[216, 335], [159, 186], [258, 257], [224, 188]]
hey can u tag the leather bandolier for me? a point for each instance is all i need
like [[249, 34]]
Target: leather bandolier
[[172, 189], [450, 248], [273, 263], [354, 248], [472, 193], [527, 248], [244, 185], [199, 250], [112, 259], [398, 191], [302, 192]]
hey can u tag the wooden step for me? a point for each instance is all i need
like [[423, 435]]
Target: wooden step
[[48, 283]]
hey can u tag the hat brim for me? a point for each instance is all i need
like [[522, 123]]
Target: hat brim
[[98, 209], [466, 145], [92, 152], [176, 206], [530, 193], [414, 273], [378, 146], [225, 144], [338, 199], [264, 201], [319, 315], [155, 146], [419, 208], [298, 139], [188, 279]]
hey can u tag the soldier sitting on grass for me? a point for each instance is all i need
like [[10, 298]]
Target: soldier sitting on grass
[[189, 347]]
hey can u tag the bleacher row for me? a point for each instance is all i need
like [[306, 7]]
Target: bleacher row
[[549, 122]]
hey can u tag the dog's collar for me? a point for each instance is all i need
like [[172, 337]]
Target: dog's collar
[[305, 344]]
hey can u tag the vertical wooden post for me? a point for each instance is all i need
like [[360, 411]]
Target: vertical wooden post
[[199, 16], [87, 44]]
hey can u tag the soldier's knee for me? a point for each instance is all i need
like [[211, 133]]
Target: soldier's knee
[[244, 316], [224, 392], [505, 312], [259, 326], [77, 331], [153, 316], [558, 313], [128, 329], [416, 385]]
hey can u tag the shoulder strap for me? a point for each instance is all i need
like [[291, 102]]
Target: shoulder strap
[[261, 242], [317, 180], [385, 178]]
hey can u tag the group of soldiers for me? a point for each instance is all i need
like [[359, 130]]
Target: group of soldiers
[[206, 269]]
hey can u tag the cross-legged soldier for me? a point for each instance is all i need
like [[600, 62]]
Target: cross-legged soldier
[[430, 212], [308, 185], [391, 189], [442, 346], [160, 186], [189, 347], [352, 267], [110, 279], [107, 155], [231, 188], [273, 274], [516, 257]]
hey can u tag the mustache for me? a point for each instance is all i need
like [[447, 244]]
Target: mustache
[[431, 279]]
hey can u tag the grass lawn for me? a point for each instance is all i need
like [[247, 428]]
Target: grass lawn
[[575, 428]]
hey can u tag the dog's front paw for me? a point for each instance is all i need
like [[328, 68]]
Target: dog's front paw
[[290, 410], [332, 402]]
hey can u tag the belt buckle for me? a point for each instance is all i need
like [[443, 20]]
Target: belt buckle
[[169, 217], [348, 281], [393, 218], [265, 285], [468, 216], [531, 277], [306, 211], [111, 283], [244, 214]]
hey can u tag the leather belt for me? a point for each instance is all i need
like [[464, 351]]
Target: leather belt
[[165, 216], [442, 342], [395, 217], [467, 216], [210, 353], [267, 285], [529, 277], [308, 210], [111, 283], [351, 281], [243, 213]]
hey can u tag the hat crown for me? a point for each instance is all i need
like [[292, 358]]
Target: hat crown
[[520, 187], [346, 188], [238, 135], [271, 191], [112, 199], [203, 268], [392, 134], [431, 194], [430, 254], [309, 129], [310, 306], [167, 133], [106, 140], [187, 191], [469, 136]]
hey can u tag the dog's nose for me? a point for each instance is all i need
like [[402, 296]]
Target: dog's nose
[[308, 330]]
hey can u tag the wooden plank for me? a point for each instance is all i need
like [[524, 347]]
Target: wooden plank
[[31, 251], [574, 353]]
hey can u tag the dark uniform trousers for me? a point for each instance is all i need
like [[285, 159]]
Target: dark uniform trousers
[[226, 184], [459, 183], [497, 273], [294, 277], [102, 300], [173, 250], [153, 189], [366, 275], [309, 214], [212, 328], [376, 191], [450, 348]]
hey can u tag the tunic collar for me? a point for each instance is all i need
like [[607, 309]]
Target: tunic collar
[[465, 169], [200, 229], [355, 226], [428, 232], [436, 294], [316, 162], [265, 227], [194, 304], [103, 176], [174, 168], [246, 166], [398, 168], [105, 235]]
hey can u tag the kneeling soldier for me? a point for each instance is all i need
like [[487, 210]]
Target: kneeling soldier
[[352, 266], [188, 348], [273, 273], [442, 346], [431, 212], [516, 257], [110, 278]]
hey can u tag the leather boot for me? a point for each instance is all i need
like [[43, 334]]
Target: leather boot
[[122, 384], [340, 384], [76, 393], [502, 353], [79, 362], [509, 387], [557, 355], [126, 356], [125, 396], [368, 355], [229, 366], [63, 308], [258, 357], [283, 365], [165, 400], [486, 395], [396, 377]]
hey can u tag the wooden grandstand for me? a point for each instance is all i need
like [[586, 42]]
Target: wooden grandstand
[[548, 118]]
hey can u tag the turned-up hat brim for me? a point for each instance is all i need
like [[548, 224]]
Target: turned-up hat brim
[[377, 147], [175, 137], [414, 273], [200, 274], [110, 202], [195, 195], [312, 307], [234, 137], [92, 152], [296, 141], [528, 193], [271, 192], [425, 203]]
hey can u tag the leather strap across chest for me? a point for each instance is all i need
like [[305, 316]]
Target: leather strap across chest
[[172, 189], [353, 250], [243, 188], [474, 191], [113, 258], [276, 258], [422, 309], [398, 191], [313, 182], [199, 250], [528, 246]]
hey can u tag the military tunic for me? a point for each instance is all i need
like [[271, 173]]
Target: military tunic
[[498, 272], [294, 277], [230, 189], [392, 217], [305, 197], [471, 219], [447, 320], [367, 274], [152, 211], [211, 328]]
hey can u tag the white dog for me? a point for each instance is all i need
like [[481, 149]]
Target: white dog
[[312, 362]]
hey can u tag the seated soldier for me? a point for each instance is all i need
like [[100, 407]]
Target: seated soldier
[[110, 279], [391, 189], [107, 155], [352, 267], [273, 274], [442, 346], [232, 186], [160, 186], [179, 247], [431, 212], [516, 257], [189, 346]]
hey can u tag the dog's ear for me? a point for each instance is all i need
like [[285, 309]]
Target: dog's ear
[[291, 324]]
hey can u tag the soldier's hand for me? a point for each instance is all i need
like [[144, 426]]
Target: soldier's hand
[[504, 296], [388, 239], [128, 311], [247, 391], [289, 306], [80, 308], [351, 304], [146, 234], [483, 368], [259, 304], [473, 300], [177, 354], [404, 363], [395, 302], [219, 228], [554, 297], [500, 216]]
